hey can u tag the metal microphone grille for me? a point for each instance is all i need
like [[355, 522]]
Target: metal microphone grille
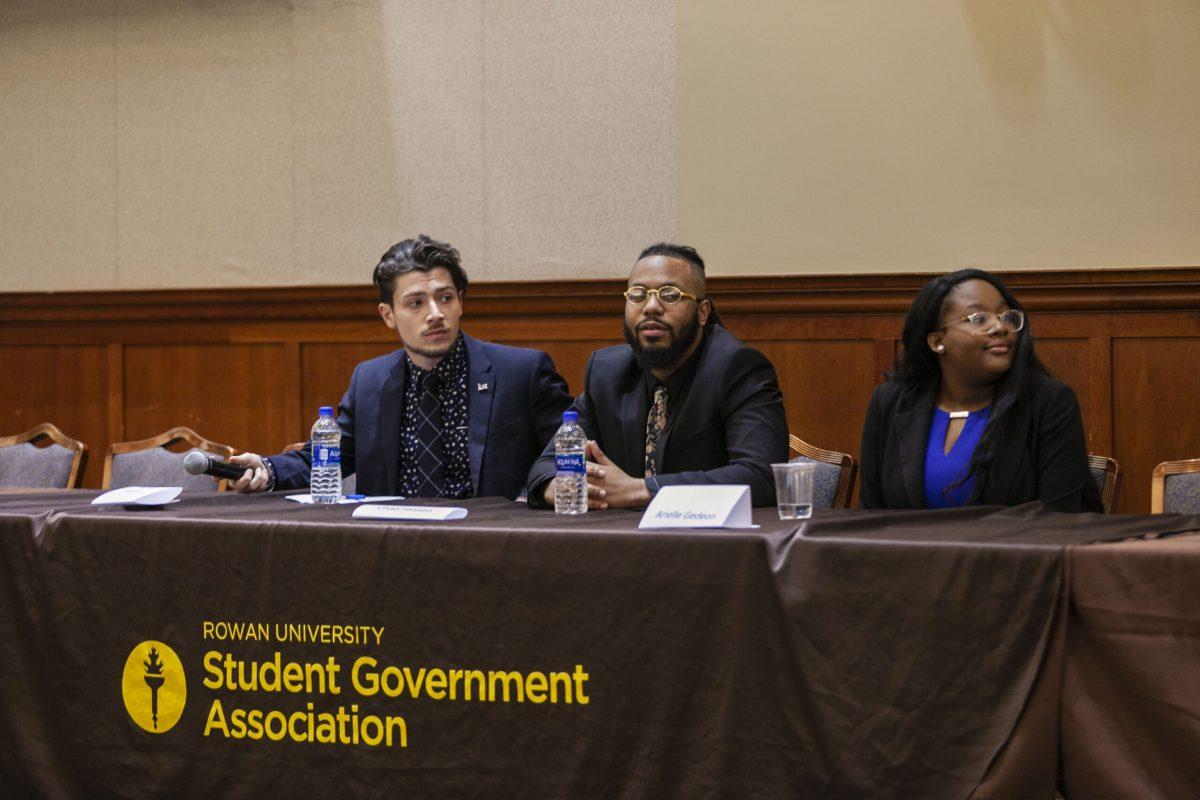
[[195, 462]]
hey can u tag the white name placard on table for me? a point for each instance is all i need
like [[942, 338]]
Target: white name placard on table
[[139, 496], [409, 512], [699, 507]]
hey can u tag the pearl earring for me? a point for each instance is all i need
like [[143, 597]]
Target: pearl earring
[[941, 348]]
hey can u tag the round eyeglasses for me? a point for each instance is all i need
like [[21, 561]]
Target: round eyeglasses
[[982, 323], [667, 295]]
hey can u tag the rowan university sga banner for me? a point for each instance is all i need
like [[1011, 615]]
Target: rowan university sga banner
[[331, 689], [208, 658]]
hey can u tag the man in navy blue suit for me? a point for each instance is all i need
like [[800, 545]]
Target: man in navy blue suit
[[445, 416]]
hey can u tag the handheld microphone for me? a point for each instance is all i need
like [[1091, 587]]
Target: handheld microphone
[[197, 463]]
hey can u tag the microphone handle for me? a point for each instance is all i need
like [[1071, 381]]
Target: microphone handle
[[223, 469]]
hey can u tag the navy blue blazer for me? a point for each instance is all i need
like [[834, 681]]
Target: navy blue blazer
[[516, 404], [1043, 456], [730, 429]]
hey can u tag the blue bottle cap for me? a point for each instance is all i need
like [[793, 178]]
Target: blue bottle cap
[[325, 411], [570, 416]]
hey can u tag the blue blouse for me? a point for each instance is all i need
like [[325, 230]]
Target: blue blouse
[[944, 469]]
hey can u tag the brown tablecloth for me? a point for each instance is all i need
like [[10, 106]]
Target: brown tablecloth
[[1131, 688], [857, 654]]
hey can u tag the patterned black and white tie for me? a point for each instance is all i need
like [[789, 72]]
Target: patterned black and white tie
[[431, 458], [656, 421]]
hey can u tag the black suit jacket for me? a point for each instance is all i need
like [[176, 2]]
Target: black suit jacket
[[1043, 456], [729, 430], [515, 406]]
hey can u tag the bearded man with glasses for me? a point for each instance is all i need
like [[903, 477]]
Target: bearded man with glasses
[[682, 402]]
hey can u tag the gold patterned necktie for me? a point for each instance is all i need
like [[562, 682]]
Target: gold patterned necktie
[[656, 421]]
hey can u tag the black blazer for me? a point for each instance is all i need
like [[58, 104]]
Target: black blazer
[[730, 429], [1043, 457], [515, 406]]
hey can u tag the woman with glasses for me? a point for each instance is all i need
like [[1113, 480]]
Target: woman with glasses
[[969, 415]]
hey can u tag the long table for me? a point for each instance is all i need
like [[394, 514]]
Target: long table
[[234, 645]]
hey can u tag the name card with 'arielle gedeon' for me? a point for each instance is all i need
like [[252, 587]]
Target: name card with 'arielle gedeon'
[[699, 507]]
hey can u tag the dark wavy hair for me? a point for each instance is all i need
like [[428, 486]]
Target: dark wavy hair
[[421, 253], [688, 255], [917, 365]]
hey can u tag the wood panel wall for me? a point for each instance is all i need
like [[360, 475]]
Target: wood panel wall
[[250, 367]]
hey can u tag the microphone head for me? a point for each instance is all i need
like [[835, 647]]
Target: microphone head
[[195, 462]]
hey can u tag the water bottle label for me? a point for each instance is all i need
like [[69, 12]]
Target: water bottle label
[[569, 462], [324, 456]]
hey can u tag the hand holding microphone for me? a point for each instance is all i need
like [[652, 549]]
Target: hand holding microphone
[[245, 472], [197, 463]]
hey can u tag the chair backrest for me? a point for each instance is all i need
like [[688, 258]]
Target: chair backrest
[[23, 464], [148, 462], [833, 482], [1175, 487], [1107, 475]]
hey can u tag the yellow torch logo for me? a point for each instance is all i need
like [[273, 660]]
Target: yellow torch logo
[[154, 687]]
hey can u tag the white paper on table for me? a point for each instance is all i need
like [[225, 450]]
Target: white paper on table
[[702, 506], [139, 496], [410, 512], [344, 500]]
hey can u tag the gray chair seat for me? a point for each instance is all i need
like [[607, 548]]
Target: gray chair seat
[[826, 479], [833, 479], [1181, 493], [1175, 487], [149, 462], [26, 466], [1106, 473], [158, 467]]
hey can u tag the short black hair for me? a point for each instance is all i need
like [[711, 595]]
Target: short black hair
[[678, 251], [688, 255], [421, 253]]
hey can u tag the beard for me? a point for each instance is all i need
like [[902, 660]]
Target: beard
[[667, 355], [433, 352]]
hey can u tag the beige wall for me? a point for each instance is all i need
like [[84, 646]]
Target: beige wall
[[915, 135], [160, 143], [177, 143]]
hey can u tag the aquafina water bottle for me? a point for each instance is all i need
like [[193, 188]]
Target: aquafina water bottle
[[325, 479], [570, 481]]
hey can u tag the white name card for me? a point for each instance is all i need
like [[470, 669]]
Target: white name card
[[409, 512], [699, 507], [139, 496]]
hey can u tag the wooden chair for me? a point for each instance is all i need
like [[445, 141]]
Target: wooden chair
[[148, 462], [833, 484], [1107, 475], [1180, 495], [294, 446], [59, 465]]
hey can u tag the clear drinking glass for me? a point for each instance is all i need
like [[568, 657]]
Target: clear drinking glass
[[794, 489]]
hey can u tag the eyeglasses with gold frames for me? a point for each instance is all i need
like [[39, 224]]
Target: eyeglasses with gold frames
[[667, 295], [982, 323]]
